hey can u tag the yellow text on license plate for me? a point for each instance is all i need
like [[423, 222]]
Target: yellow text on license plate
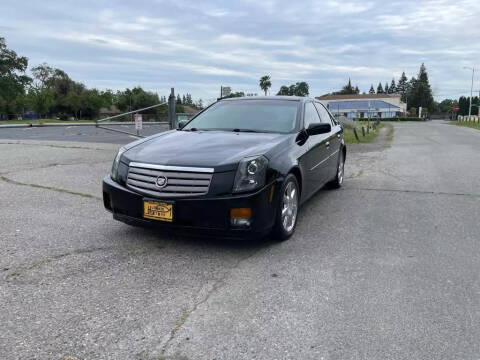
[[158, 211]]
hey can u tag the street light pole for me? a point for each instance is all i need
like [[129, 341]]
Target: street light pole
[[471, 91]]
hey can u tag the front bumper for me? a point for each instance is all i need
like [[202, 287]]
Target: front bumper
[[199, 216]]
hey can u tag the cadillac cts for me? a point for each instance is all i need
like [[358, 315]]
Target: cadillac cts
[[240, 168]]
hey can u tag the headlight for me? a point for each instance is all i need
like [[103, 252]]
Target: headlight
[[251, 174], [114, 172]]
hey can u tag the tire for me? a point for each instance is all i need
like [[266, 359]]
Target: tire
[[338, 181], [287, 209]]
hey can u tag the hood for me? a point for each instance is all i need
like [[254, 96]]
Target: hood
[[218, 149]]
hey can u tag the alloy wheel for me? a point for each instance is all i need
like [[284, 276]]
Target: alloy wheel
[[341, 165], [289, 207]]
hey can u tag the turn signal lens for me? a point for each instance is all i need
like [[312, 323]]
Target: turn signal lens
[[240, 213]]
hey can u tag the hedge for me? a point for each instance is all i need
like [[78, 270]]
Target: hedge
[[392, 119]]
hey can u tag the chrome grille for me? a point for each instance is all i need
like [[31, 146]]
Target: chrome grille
[[181, 181]]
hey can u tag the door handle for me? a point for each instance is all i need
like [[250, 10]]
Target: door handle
[[327, 144]]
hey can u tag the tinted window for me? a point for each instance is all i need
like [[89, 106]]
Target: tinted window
[[311, 115], [324, 116], [258, 115]]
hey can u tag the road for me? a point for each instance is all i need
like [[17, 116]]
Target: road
[[385, 268]]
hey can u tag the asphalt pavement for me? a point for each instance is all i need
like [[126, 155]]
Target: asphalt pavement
[[385, 268], [82, 133]]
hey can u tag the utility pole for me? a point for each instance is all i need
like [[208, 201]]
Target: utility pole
[[171, 109], [471, 91]]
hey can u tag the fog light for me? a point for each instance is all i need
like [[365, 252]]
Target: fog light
[[240, 222], [240, 217]]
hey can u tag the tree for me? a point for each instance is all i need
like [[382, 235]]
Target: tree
[[108, 98], [91, 101], [41, 100], [402, 87], [393, 87], [386, 89], [372, 90], [73, 102], [301, 89], [284, 90], [13, 80], [42, 74], [265, 83], [463, 104], [380, 89], [236, 94], [179, 100], [348, 89], [298, 89], [420, 93], [447, 105]]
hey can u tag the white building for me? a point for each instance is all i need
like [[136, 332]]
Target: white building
[[365, 105]]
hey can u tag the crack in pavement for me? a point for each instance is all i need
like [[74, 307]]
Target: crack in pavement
[[20, 268], [37, 186], [216, 286], [414, 191]]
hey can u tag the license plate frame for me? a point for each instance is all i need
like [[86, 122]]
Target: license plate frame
[[158, 210]]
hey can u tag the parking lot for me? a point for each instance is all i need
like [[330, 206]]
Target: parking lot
[[385, 268]]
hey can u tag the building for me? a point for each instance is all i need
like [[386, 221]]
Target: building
[[364, 105], [107, 112]]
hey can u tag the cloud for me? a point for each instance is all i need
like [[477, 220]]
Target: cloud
[[198, 46]]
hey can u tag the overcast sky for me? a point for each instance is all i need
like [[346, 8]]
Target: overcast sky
[[196, 46]]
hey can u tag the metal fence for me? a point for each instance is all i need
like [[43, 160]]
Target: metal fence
[[171, 119]]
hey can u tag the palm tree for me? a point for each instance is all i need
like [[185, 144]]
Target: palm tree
[[265, 83]]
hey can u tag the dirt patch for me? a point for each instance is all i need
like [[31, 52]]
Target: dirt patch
[[380, 143]]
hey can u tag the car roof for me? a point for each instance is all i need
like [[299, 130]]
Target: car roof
[[277, 98]]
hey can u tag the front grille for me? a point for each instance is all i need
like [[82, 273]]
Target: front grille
[[180, 181]]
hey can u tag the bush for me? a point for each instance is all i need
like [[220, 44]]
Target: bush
[[392, 119], [403, 119]]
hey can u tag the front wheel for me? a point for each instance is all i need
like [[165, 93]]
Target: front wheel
[[287, 209]]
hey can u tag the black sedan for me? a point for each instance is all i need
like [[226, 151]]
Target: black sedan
[[240, 168]]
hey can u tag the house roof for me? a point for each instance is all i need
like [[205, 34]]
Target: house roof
[[362, 105], [356, 96]]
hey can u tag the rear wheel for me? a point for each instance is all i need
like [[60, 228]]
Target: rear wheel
[[287, 209], [338, 181]]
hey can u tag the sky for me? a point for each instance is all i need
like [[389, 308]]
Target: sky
[[197, 46]]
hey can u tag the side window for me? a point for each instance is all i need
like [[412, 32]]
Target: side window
[[334, 119], [310, 116], [324, 116]]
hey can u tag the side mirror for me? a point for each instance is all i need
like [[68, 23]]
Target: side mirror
[[320, 128], [182, 123]]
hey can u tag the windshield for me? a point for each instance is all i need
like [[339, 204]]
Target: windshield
[[248, 115]]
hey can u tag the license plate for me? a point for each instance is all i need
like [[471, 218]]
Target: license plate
[[158, 211]]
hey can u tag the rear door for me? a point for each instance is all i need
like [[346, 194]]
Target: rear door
[[316, 158], [333, 142]]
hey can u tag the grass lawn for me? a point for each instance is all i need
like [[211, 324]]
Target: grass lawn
[[470, 124], [350, 137], [41, 121]]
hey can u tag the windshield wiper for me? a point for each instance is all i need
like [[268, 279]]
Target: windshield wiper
[[246, 130]]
